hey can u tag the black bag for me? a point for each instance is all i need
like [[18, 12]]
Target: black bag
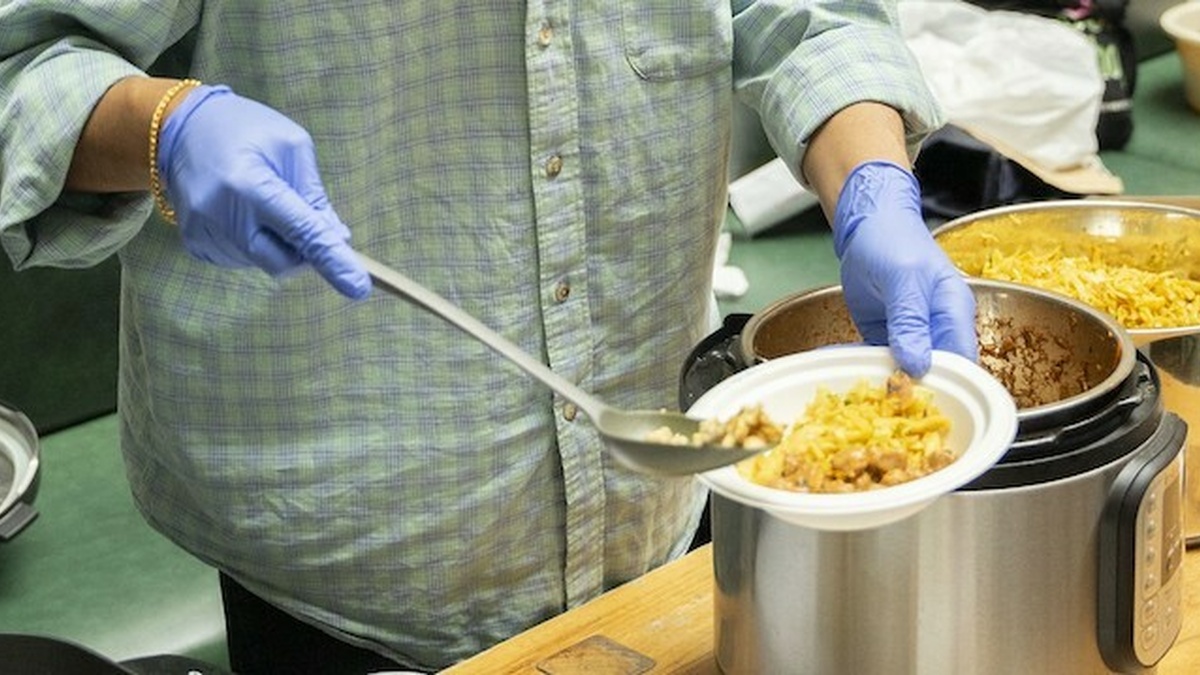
[[1102, 22], [960, 174]]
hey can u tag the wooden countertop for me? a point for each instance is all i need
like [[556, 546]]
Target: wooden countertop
[[667, 617]]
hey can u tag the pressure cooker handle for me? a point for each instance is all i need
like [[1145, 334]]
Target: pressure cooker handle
[[1073, 432], [713, 360]]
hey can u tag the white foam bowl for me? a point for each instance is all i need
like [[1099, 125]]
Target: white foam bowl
[[983, 425], [1182, 23]]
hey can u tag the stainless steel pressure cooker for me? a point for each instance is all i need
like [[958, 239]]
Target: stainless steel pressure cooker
[[1065, 558]]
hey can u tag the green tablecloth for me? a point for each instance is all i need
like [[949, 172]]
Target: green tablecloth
[[1163, 155], [91, 571]]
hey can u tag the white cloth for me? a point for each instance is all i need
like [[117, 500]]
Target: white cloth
[[729, 281], [1031, 82], [768, 196]]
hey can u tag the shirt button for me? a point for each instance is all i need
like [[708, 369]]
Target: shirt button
[[545, 34], [554, 166], [562, 291], [569, 412]]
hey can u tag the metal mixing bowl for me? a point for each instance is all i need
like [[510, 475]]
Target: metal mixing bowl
[[1149, 236]]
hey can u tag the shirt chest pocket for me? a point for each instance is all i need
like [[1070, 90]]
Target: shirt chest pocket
[[671, 40]]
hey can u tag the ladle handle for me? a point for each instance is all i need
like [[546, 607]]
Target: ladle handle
[[409, 290]]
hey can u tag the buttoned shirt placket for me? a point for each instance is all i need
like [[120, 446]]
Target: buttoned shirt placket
[[562, 242]]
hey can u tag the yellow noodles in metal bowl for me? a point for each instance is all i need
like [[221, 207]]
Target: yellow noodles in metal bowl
[[1135, 297], [1140, 263]]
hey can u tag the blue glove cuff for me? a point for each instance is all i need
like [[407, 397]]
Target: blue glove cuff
[[171, 126], [868, 185]]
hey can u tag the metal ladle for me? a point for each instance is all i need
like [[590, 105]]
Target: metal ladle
[[624, 432]]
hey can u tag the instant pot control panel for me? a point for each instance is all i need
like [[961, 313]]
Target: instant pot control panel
[[1141, 554]]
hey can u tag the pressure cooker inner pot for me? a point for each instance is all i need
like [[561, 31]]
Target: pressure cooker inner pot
[[1049, 351]]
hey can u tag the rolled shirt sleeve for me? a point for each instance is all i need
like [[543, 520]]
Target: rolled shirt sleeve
[[48, 88], [798, 63]]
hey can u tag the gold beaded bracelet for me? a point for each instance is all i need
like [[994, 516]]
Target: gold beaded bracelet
[[156, 188]]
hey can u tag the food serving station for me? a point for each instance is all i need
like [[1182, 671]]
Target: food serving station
[[1067, 556], [88, 570]]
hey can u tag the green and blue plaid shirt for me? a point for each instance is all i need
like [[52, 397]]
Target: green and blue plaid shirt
[[555, 168]]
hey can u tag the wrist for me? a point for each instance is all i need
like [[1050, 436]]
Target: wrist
[[111, 151], [858, 133]]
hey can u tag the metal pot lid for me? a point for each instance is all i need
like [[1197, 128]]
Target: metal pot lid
[[18, 470]]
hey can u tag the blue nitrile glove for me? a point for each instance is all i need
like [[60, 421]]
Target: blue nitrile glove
[[901, 288], [244, 184]]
